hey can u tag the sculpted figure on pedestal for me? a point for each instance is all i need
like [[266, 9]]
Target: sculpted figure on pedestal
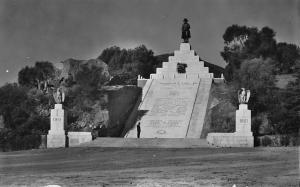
[[243, 96], [186, 34], [59, 96]]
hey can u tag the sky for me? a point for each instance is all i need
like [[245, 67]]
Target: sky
[[55, 30]]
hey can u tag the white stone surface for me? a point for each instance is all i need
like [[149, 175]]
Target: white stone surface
[[242, 137], [56, 140], [141, 82], [56, 135], [169, 98], [199, 110], [76, 138], [230, 140], [243, 121], [169, 104]]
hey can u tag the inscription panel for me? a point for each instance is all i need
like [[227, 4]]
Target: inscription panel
[[170, 107]]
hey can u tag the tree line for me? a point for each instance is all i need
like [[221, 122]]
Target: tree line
[[254, 59]]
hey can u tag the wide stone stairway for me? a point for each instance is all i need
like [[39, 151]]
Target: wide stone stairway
[[174, 103]]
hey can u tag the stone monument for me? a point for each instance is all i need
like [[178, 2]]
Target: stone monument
[[243, 115], [175, 98], [242, 137], [56, 135]]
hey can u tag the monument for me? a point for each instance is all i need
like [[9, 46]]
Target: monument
[[175, 98], [56, 135], [242, 137]]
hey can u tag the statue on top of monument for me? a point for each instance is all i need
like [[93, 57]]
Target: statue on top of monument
[[243, 96], [186, 34], [59, 96]]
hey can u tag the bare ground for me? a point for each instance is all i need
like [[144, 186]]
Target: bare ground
[[151, 167]]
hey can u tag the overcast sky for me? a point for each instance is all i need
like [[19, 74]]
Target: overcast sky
[[54, 30]]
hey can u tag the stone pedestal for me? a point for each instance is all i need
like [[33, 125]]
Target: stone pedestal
[[243, 120], [56, 135], [242, 137], [77, 138]]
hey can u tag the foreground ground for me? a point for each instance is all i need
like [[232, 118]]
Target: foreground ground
[[151, 167]]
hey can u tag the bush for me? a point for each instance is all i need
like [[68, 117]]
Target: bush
[[266, 141], [11, 141]]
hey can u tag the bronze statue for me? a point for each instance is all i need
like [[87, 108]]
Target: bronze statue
[[186, 34], [243, 96]]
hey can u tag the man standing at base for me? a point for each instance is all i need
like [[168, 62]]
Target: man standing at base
[[138, 128]]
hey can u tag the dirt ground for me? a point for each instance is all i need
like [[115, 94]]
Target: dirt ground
[[151, 167]]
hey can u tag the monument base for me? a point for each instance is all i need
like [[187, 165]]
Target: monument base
[[76, 138], [56, 140], [230, 140]]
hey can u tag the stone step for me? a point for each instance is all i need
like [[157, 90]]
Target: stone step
[[190, 52], [186, 60], [188, 70], [182, 76], [147, 143], [190, 64]]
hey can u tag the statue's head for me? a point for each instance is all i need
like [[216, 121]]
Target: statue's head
[[243, 89], [185, 20]]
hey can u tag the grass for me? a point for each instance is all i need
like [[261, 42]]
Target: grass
[[151, 167]]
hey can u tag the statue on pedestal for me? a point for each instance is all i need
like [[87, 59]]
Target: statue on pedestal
[[243, 96], [186, 34]]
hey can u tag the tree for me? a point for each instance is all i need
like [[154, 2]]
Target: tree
[[128, 63], [258, 76], [244, 43], [288, 55], [144, 59], [108, 53], [13, 105], [37, 76]]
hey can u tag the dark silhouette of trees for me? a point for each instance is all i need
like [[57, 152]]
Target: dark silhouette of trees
[[37, 76]]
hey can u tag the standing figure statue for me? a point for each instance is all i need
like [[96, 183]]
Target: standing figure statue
[[243, 96], [59, 96], [186, 34]]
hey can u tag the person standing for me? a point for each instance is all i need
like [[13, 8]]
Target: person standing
[[138, 128]]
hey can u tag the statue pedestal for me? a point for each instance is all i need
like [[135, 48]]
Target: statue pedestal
[[243, 121], [56, 135], [242, 137]]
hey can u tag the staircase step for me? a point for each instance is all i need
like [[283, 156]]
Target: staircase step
[[147, 143]]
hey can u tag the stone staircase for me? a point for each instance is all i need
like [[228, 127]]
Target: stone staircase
[[147, 143], [174, 103]]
